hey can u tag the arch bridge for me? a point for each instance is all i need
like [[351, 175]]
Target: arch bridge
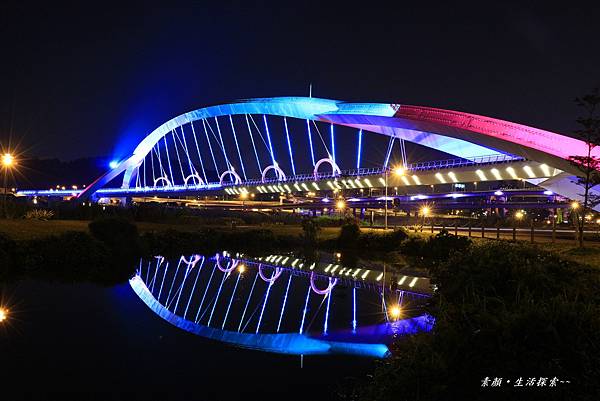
[[300, 145]]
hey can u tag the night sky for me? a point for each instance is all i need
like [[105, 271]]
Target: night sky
[[92, 79]]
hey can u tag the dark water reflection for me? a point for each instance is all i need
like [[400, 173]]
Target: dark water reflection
[[85, 339], [88, 339]]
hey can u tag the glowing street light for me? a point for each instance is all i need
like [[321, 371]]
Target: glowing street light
[[8, 160], [519, 215], [574, 205], [425, 210], [395, 312], [3, 314], [340, 205], [399, 171], [242, 268]]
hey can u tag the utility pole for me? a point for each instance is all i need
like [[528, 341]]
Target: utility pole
[[386, 198]]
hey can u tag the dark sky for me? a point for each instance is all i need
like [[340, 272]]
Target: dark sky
[[91, 79]]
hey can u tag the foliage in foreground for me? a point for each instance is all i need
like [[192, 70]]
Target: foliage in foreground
[[502, 310]]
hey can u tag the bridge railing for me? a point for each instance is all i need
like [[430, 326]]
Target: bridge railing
[[420, 166]]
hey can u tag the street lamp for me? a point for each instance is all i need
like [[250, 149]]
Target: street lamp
[[243, 197], [395, 312], [3, 314], [340, 205], [8, 161], [425, 211], [398, 171]]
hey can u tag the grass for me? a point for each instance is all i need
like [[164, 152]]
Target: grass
[[20, 229]]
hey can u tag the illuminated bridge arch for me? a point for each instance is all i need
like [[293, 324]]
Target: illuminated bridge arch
[[167, 149]]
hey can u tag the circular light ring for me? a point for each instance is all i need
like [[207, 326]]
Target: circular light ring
[[278, 172], [335, 169], [236, 178], [229, 269], [326, 291], [191, 263], [195, 175], [165, 179], [271, 280]]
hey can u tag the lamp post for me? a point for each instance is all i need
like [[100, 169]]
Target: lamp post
[[518, 216], [244, 196], [8, 161], [398, 171], [575, 213], [425, 210]]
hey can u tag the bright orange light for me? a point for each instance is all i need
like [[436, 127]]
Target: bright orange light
[[244, 195], [242, 268], [340, 204], [8, 160], [399, 171], [395, 312], [3, 314], [519, 215], [574, 205], [425, 211]]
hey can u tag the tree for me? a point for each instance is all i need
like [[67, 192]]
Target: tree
[[588, 164]]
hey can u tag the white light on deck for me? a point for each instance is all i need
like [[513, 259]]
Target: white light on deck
[[496, 173], [481, 175], [545, 169], [512, 173], [528, 170]]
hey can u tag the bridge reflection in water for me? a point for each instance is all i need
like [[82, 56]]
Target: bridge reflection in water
[[281, 304]]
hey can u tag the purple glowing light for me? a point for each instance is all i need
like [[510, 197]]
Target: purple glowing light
[[274, 277], [332, 283]]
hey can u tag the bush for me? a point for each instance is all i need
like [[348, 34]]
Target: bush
[[8, 249], [123, 243], [501, 310], [39, 214], [435, 249], [310, 231], [386, 242], [349, 235], [69, 257]]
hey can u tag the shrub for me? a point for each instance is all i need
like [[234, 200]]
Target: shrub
[[39, 214], [349, 235], [7, 256], [310, 231], [435, 249], [505, 310], [386, 242], [70, 257], [123, 243]]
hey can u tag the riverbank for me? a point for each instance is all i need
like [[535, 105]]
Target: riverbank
[[21, 229], [24, 230]]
